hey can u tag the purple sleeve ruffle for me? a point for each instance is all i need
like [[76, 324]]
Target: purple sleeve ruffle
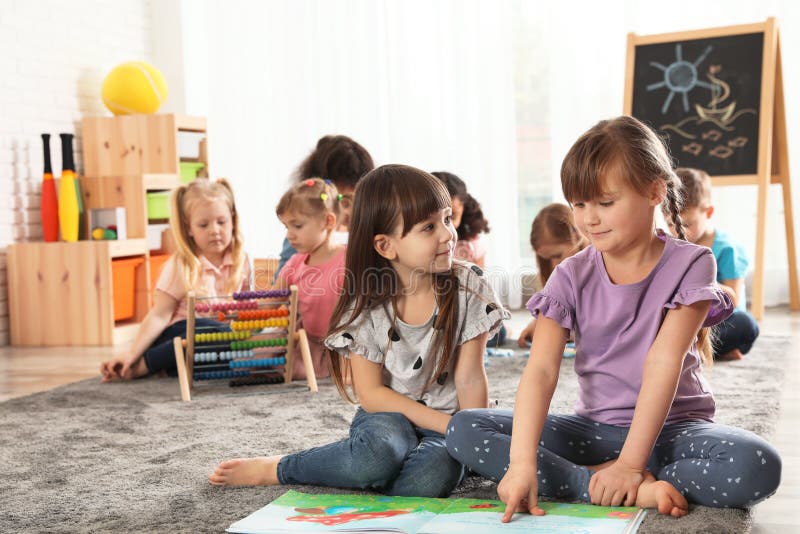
[[543, 304], [721, 305]]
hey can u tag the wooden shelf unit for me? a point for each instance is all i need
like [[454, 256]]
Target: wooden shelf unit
[[131, 145], [61, 293]]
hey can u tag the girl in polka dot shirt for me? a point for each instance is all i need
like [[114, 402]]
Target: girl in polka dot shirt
[[412, 325]]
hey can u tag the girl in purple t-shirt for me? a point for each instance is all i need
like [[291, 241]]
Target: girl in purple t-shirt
[[639, 302]]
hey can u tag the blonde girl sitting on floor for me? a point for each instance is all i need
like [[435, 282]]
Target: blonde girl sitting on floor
[[209, 260]]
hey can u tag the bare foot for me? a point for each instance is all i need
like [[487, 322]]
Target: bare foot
[[731, 356], [259, 471], [662, 495]]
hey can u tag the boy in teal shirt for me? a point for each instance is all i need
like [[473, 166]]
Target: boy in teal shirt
[[735, 335]]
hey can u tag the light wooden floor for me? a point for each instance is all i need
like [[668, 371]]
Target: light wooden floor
[[28, 370]]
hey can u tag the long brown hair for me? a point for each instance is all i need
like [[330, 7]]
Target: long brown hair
[[187, 260], [554, 222], [642, 157], [386, 197]]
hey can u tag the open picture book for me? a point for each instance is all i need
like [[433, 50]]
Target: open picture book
[[303, 512]]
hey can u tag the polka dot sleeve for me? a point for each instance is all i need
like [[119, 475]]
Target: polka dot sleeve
[[480, 308], [358, 338]]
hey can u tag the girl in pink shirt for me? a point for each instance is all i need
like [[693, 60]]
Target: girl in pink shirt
[[209, 260], [310, 213], [639, 302]]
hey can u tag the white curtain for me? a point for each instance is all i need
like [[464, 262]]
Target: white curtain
[[429, 84]]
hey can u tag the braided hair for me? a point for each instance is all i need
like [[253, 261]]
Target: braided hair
[[628, 144]]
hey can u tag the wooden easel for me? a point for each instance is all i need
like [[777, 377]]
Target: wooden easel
[[773, 155]]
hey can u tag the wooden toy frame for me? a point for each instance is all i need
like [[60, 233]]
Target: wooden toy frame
[[229, 307]]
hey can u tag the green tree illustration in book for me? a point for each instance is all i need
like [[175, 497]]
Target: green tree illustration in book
[[302, 512]]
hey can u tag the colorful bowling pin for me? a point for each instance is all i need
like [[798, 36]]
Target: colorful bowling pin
[[48, 208], [68, 211]]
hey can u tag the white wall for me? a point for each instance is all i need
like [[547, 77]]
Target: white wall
[[421, 83], [54, 57], [285, 63]]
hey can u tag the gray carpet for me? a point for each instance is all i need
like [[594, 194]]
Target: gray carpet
[[132, 457]]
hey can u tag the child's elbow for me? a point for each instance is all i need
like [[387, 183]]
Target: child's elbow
[[472, 381], [367, 399]]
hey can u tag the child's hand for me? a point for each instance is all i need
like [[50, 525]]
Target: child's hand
[[526, 335], [615, 485], [122, 369], [519, 489], [112, 369]]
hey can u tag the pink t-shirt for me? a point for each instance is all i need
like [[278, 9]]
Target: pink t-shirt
[[211, 282], [470, 250], [318, 289]]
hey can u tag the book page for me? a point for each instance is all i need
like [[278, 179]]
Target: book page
[[471, 516], [303, 512], [342, 513]]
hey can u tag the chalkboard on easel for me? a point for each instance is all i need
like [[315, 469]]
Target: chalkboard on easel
[[716, 96], [703, 97]]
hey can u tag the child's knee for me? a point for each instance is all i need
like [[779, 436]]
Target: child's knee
[[382, 443], [759, 471], [751, 330], [463, 429], [766, 477]]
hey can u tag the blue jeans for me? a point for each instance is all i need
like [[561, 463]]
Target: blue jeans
[[385, 453], [739, 331], [710, 464], [161, 354]]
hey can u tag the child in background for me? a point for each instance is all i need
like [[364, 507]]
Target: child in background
[[413, 324], [209, 260], [638, 301], [735, 335], [342, 161], [468, 220], [309, 211], [554, 238], [470, 223]]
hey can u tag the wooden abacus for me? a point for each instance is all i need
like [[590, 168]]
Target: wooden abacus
[[254, 351]]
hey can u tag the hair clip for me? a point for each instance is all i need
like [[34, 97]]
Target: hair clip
[[328, 182], [339, 197], [309, 182], [324, 196]]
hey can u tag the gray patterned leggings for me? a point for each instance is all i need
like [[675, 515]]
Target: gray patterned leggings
[[710, 464]]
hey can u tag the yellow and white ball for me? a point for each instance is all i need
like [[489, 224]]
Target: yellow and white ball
[[134, 87]]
